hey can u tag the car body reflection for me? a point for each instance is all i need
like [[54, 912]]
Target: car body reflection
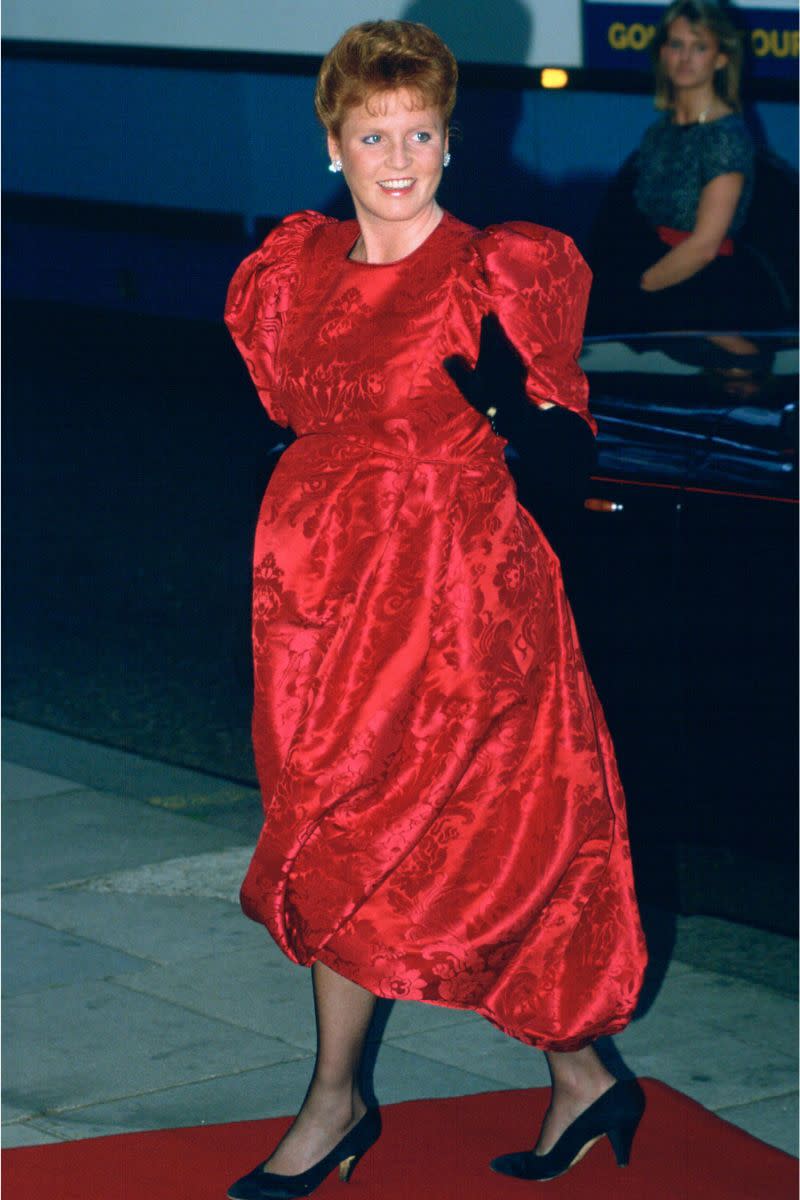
[[682, 571], [681, 409]]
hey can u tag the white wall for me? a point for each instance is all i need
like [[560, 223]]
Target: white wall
[[536, 32]]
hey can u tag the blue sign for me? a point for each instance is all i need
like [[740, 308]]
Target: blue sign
[[617, 35]]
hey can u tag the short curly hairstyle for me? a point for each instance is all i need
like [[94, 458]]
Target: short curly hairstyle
[[381, 56], [714, 19]]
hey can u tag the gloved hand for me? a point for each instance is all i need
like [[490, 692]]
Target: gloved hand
[[555, 446]]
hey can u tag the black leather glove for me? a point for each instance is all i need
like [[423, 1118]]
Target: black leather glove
[[555, 447]]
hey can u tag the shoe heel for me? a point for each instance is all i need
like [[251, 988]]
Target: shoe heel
[[621, 1139], [346, 1168]]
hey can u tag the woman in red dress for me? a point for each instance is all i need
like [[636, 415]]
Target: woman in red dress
[[443, 817]]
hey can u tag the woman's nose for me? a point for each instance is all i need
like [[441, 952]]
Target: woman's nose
[[398, 154]]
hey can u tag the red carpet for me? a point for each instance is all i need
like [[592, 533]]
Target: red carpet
[[430, 1150]]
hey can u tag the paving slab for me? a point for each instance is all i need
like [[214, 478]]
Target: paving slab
[[402, 1074], [217, 875], [52, 839], [260, 989], [35, 957], [247, 989], [102, 767], [23, 783], [719, 1072], [22, 1134], [405, 1018], [738, 950], [775, 1121], [160, 929], [266, 1092], [658, 976], [247, 1096], [63, 1047], [13, 1111], [480, 1048], [719, 1003], [662, 1027]]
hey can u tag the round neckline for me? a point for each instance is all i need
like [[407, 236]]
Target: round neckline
[[698, 124], [351, 262]]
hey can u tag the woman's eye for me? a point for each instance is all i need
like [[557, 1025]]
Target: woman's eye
[[422, 136], [372, 139]]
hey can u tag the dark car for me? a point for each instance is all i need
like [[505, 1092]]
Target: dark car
[[682, 572]]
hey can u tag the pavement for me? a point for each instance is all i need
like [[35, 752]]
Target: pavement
[[137, 996]]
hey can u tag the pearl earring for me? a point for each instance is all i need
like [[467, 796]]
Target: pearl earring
[[335, 165], [446, 159]]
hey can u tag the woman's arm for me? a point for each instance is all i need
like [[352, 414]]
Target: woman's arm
[[718, 201], [556, 447]]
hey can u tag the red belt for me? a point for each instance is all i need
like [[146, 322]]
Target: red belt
[[674, 237]]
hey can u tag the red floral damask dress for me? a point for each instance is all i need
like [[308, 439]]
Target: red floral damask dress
[[443, 816]]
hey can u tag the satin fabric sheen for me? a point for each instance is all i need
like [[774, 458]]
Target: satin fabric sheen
[[443, 816]]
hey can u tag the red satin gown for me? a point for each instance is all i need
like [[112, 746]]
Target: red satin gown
[[443, 816]]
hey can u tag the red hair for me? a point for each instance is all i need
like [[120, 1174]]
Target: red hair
[[382, 56]]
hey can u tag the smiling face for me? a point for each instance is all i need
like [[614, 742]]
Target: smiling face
[[691, 55], [391, 149]]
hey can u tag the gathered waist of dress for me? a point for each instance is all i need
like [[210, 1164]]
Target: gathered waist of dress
[[674, 237], [484, 455]]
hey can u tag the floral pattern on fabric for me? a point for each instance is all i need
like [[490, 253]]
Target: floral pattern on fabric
[[443, 817]]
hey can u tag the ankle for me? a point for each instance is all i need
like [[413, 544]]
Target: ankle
[[329, 1103], [581, 1088]]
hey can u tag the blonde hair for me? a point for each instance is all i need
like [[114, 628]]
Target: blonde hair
[[712, 18], [381, 56]]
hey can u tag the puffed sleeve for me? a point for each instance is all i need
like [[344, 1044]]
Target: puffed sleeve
[[538, 285], [260, 296]]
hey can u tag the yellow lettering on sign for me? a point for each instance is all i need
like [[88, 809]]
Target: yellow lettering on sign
[[781, 43], [775, 43], [630, 37], [616, 35], [637, 36]]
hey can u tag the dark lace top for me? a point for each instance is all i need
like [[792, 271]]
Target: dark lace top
[[675, 162]]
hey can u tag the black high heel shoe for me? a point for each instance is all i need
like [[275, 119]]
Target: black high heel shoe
[[265, 1185], [616, 1114]]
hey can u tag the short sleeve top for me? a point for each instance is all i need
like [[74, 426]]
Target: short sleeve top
[[675, 162]]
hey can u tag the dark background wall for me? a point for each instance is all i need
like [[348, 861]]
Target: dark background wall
[[238, 145]]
